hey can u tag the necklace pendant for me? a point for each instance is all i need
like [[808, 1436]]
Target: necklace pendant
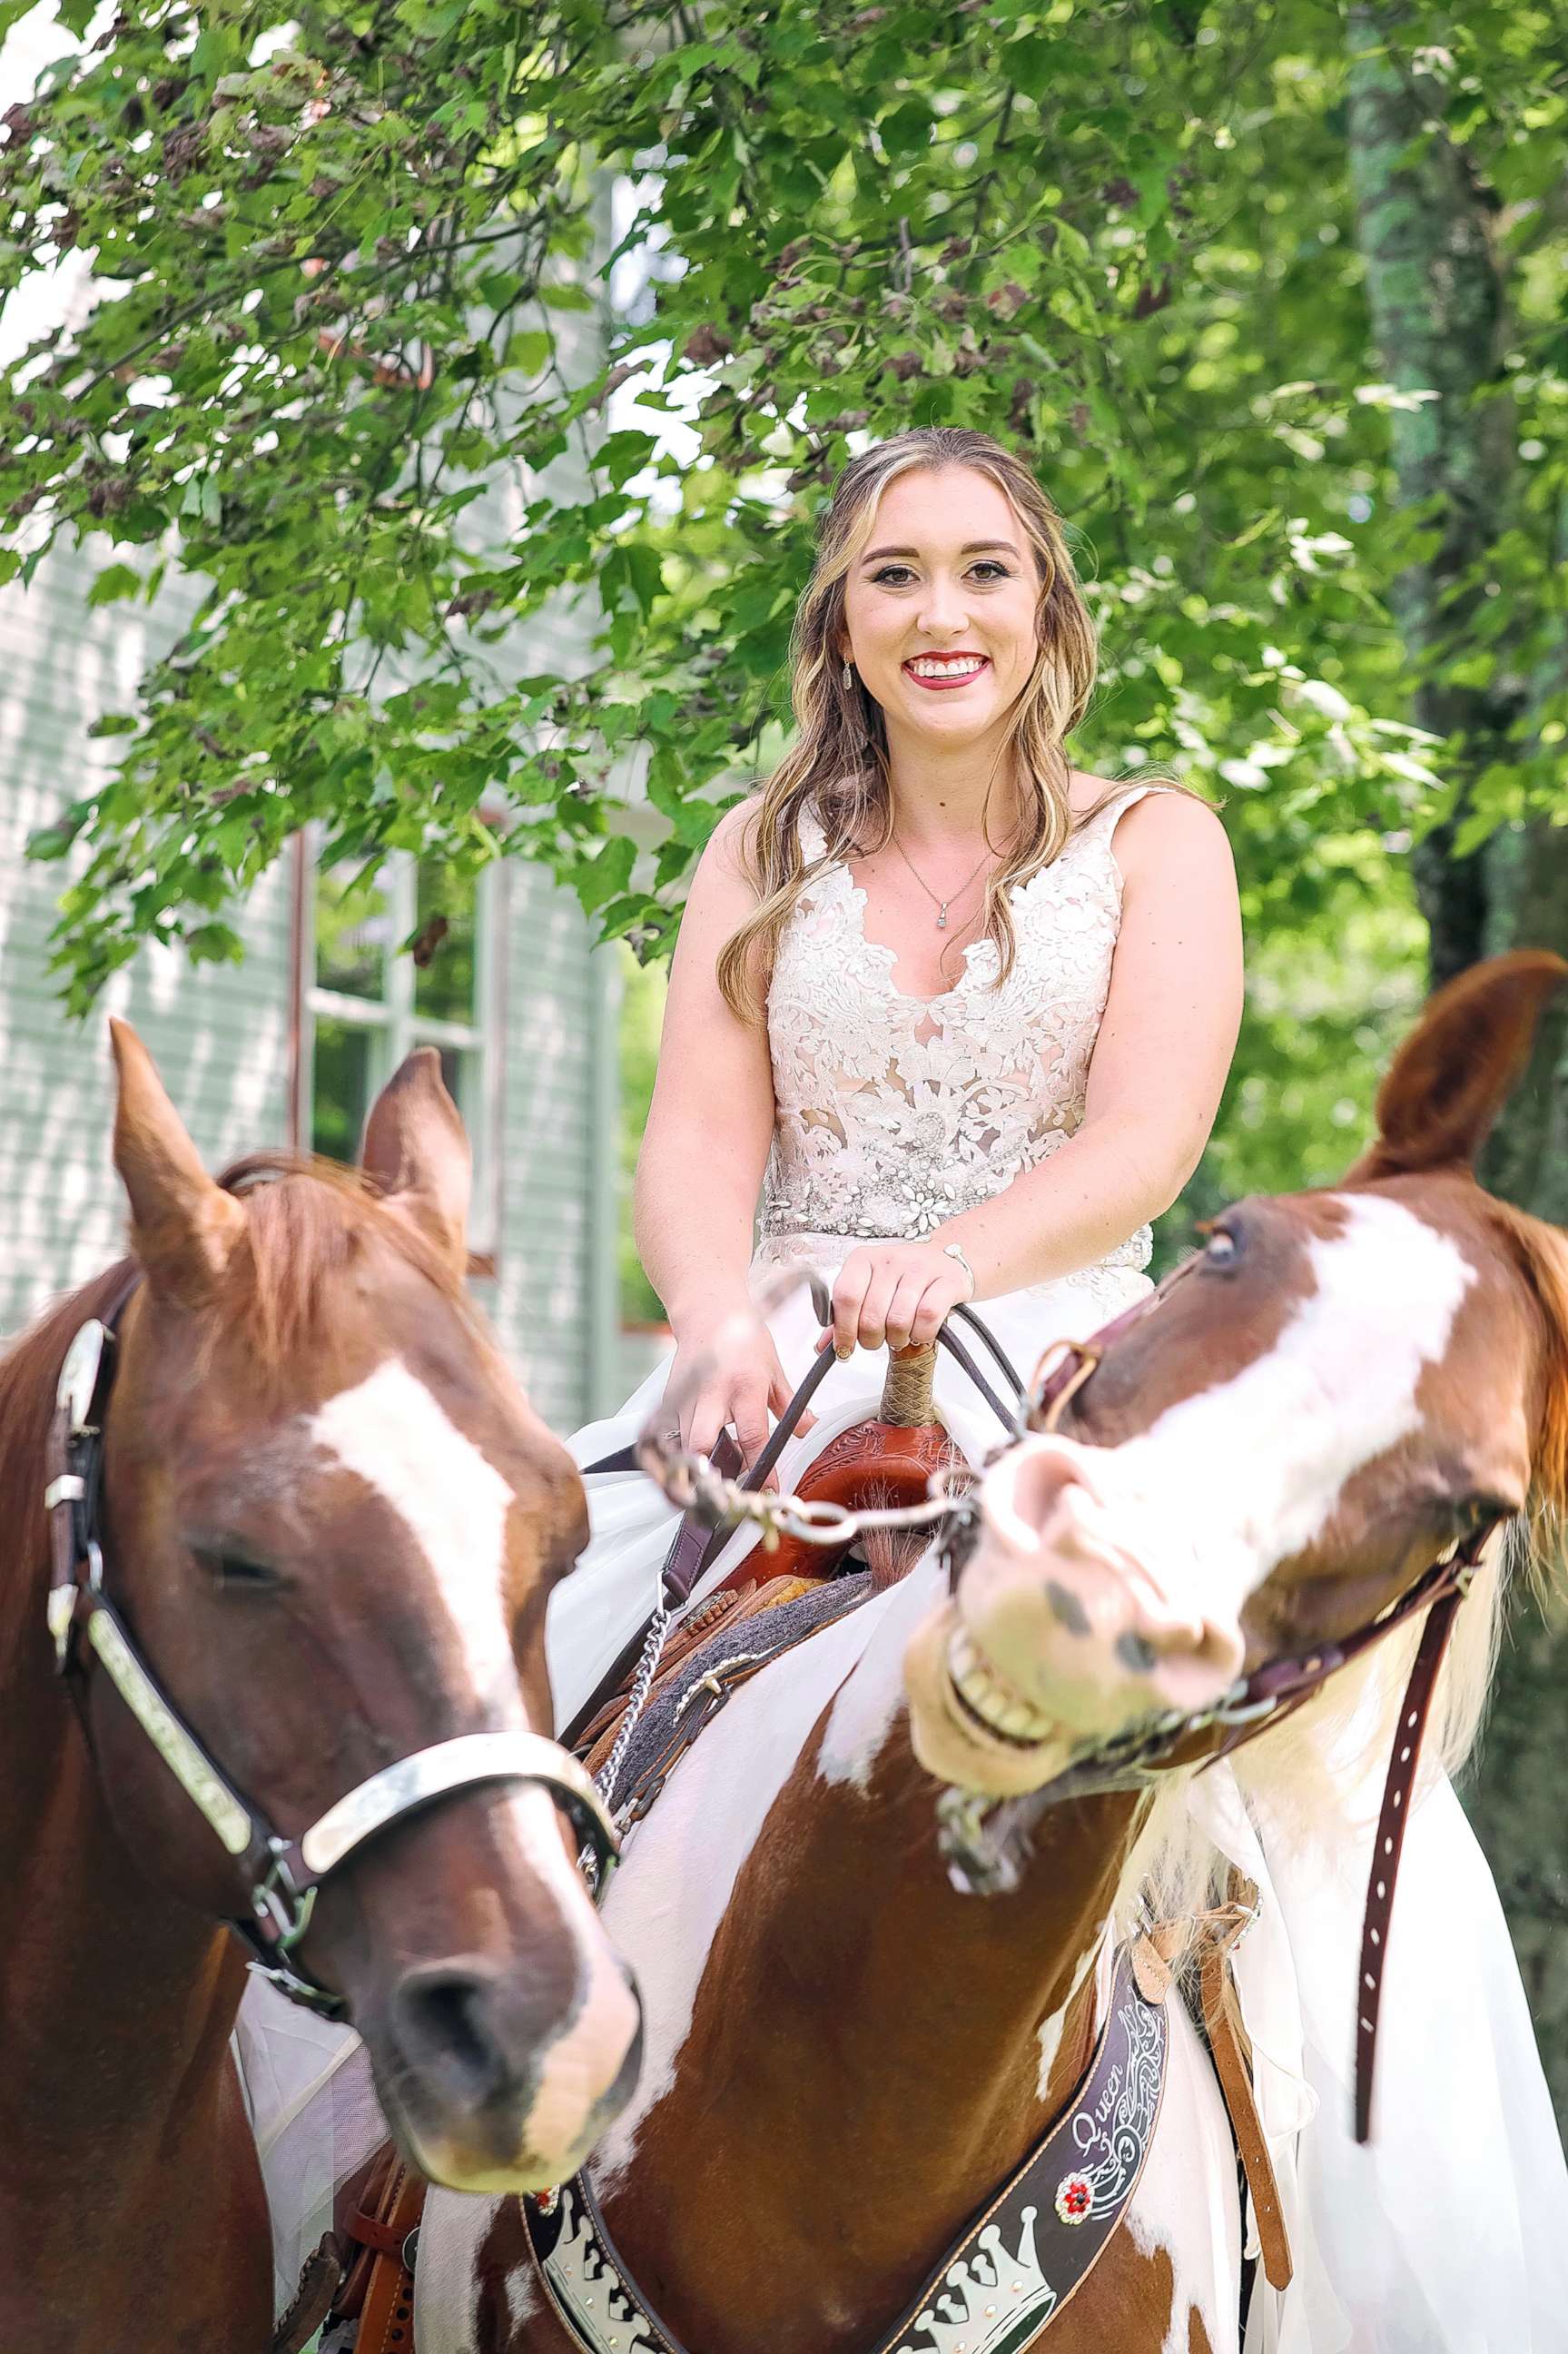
[[942, 916]]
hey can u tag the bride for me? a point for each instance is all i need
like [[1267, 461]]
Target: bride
[[962, 1014], [971, 1006]]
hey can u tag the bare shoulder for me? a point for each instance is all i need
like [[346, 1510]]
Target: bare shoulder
[[724, 886], [731, 846], [1170, 834]]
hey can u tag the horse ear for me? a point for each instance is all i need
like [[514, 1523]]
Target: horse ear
[[1456, 1070], [184, 1227], [417, 1150]]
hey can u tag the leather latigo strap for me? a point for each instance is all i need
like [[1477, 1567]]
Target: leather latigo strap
[[383, 2228], [1231, 2057], [1018, 2264]]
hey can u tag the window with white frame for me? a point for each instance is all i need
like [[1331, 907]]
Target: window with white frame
[[369, 999]]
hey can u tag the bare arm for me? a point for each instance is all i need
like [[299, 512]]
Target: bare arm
[[700, 1168], [1159, 1061], [1155, 1080]]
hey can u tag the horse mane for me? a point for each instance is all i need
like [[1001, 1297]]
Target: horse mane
[[308, 1221]]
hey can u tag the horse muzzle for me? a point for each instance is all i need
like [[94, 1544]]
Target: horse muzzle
[[1060, 1636]]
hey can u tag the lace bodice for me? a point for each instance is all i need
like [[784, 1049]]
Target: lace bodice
[[895, 1112]]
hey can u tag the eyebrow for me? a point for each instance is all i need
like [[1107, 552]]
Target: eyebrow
[[970, 548]]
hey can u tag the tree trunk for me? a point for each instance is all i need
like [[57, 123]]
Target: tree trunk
[[1437, 306], [1437, 309], [1516, 1801]]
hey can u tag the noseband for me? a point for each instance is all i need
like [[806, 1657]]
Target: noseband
[[281, 1875]]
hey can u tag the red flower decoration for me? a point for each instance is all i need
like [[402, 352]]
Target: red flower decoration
[[1075, 2197]]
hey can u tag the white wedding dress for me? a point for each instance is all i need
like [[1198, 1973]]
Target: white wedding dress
[[894, 1113], [1450, 2234]]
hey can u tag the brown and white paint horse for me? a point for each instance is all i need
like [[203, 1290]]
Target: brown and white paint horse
[[330, 1523], [844, 2055]]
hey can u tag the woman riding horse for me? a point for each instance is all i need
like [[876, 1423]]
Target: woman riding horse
[[964, 1012]]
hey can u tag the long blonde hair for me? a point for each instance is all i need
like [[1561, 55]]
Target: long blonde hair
[[837, 767]]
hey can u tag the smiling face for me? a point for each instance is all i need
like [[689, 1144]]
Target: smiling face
[[940, 608]]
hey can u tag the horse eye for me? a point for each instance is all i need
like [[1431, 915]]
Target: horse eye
[[237, 1569], [1222, 1247]]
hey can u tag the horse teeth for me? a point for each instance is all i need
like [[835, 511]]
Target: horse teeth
[[999, 1708]]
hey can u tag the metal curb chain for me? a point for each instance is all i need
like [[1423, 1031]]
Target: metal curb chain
[[637, 1701]]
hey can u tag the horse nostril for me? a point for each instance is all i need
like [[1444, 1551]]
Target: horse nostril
[[447, 2024]]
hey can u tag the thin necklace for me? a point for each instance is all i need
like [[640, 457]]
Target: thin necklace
[[940, 905]]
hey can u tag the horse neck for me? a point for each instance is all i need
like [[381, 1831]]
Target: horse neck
[[847, 1999], [102, 1948]]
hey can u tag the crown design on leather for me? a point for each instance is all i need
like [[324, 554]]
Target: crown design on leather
[[993, 2304]]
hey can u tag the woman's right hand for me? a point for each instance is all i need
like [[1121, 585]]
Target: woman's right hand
[[729, 1374]]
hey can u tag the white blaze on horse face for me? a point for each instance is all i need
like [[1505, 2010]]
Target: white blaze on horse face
[[1228, 1484], [393, 1433]]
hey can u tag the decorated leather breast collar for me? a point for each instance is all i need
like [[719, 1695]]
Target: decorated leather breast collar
[[1020, 2260]]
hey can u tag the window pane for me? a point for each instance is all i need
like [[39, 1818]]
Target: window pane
[[341, 1086], [460, 1071], [445, 964], [354, 933]]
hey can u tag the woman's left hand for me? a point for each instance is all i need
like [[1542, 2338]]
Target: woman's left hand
[[895, 1293]]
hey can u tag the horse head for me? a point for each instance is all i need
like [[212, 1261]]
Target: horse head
[[333, 1522], [1338, 1390]]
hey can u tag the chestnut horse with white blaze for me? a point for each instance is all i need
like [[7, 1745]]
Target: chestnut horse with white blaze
[[846, 2055], [315, 1534]]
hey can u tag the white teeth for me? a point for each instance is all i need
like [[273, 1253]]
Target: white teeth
[[930, 666], [998, 1708]]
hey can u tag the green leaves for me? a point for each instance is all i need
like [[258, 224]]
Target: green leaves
[[473, 542], [114, 582]]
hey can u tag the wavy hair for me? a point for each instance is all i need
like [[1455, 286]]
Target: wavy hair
[[836, 769]]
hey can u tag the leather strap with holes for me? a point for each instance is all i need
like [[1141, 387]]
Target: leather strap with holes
[[1413, 1713], [380, 2286]]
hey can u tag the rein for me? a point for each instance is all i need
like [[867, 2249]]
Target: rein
[[982, 1837], [281, 1875]]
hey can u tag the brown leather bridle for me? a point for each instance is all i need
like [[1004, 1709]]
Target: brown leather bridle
[[982, 1839], [281, 1875]]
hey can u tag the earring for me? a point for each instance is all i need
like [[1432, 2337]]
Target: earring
[[849, 675]]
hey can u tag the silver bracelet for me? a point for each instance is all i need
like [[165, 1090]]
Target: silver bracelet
[[956, 1250]]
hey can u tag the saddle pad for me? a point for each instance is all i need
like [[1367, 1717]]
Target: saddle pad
[[659, 1729]]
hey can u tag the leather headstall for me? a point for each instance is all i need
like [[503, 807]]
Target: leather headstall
[[281, 1875], [983, 1839]]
